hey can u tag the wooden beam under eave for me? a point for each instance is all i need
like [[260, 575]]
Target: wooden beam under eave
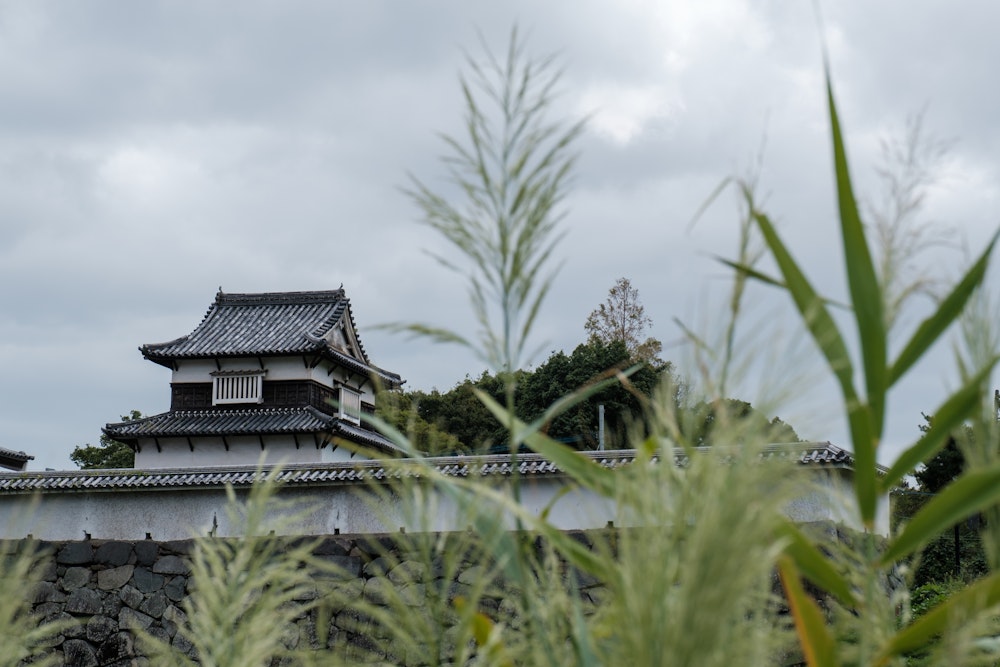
[[158, 448], [261, 438], [225, 443], [190, 443], [295, 437]]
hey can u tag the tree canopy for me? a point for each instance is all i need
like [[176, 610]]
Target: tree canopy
[[622, 317], [108, 454]]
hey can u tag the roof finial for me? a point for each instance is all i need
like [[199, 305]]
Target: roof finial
[[218, 296]]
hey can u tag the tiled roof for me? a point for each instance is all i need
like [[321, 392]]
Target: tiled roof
[[12, 460], [17, 456], [252, 421], [268, 324], [812, 455]]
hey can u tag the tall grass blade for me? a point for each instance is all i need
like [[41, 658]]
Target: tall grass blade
[[814, 638], [825, 333], [866, 293], [945, 314], [584, 471], [947, 418], [971, 601], [816, 567], [759, 276], [974, 491]]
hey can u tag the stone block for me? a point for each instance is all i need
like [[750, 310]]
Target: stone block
[[84, 602], [48, 609], [112, 605], [129, 618], [154, 605], [100, 628], [46, 591], [74, 628], [146, 552], [378, 567], [116, 649], [75, 553], [113, 553], [181, 643], [333, 546], [170, 565], [341, 567], [114, 578], [78, 653], [131, 596], [408, 571], [176, 588], [177, 547], [75, 577], [146, 581], [47, 571]]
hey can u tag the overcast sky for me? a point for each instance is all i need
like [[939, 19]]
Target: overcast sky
[[151, 152]]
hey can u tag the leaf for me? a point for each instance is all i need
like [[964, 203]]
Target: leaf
[[585, 472], [967, 603], [768, 280], [814, 638], [825, 333], [947, 312], [866, 293], [482, 626], [949, 416], [815, 566], [970, 493]]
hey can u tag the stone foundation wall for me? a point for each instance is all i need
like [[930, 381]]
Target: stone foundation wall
[[102, 589]]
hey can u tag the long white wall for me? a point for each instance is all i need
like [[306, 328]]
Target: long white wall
[[169, 514]]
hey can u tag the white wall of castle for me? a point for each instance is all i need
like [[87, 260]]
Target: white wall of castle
[[351, 508], [242, 451], [278, 368]]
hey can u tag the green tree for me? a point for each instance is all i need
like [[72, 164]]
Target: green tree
[[562, 374], [109, 454], [956, 553], [733, 416], [622, 317], [945, 466], [459, 413], [401, 410]]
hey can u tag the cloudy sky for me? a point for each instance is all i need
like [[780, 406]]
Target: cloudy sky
[[151, 152]]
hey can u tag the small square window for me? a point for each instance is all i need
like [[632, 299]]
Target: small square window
[[350, 405], [230, 387]]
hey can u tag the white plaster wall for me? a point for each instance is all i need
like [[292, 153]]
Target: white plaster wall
[[178, 514], [209, 452], [828, 495], [278, 368], [332, 454]]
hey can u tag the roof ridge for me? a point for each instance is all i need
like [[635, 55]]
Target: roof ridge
[[278, 298]]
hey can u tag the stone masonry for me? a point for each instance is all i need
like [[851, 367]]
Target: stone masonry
[[102, 589]]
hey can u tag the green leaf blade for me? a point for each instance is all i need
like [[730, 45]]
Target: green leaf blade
[[971, 601], [816, 567], [948, 417], [814, 638], [946, 313], [863, 283], [584, 471], [970, 493]]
